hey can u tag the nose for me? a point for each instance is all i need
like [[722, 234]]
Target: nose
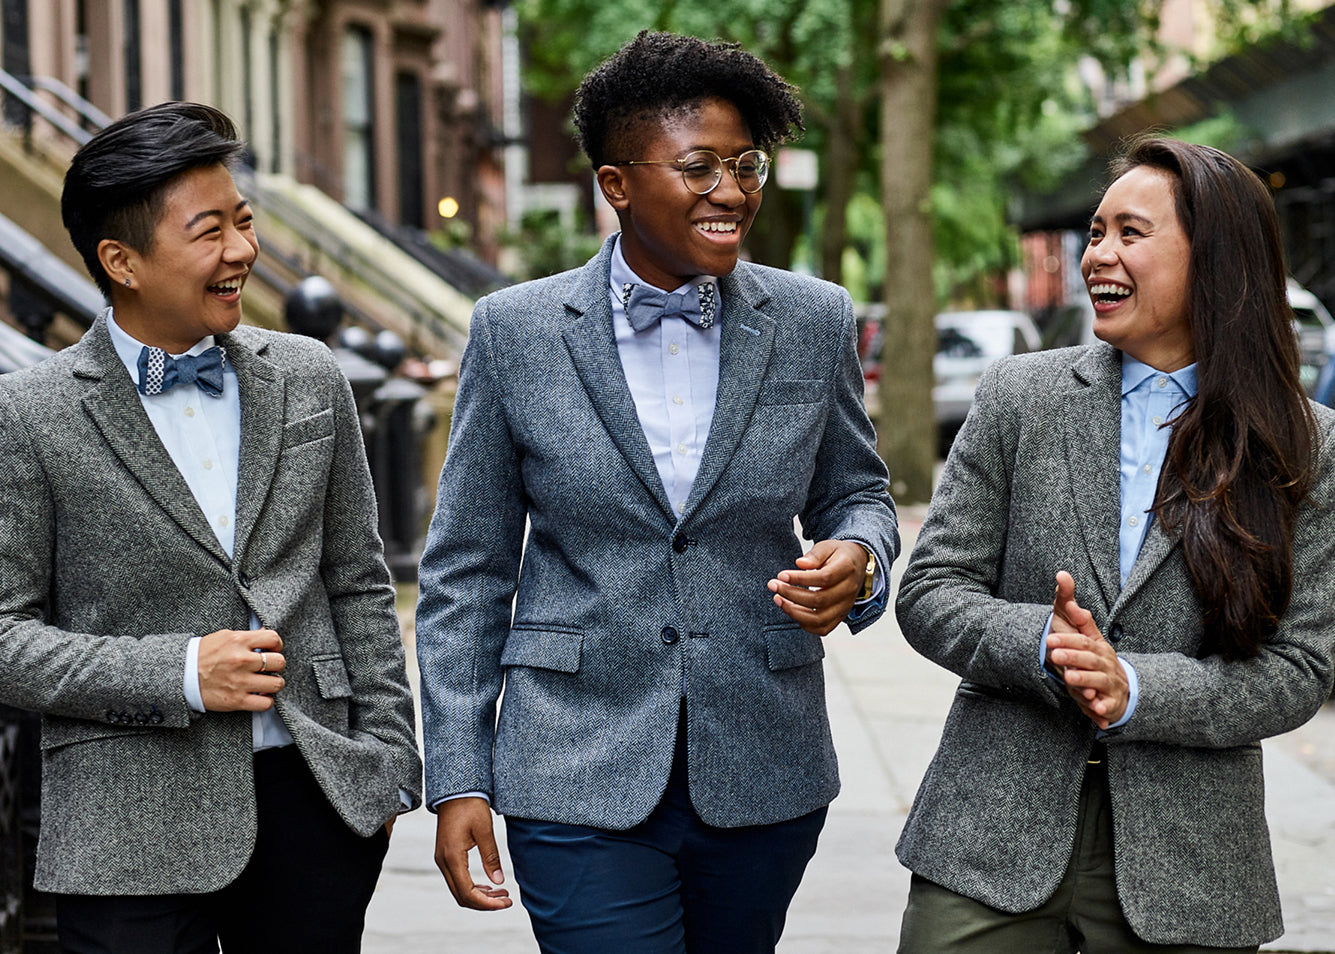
[[728, 192], [240, 247], [1098, 253]]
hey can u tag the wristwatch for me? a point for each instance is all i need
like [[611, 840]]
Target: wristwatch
[[869, 584]]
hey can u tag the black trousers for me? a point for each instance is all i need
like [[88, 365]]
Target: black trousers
[[305, 888]]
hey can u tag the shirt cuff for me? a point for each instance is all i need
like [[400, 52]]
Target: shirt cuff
[[1043, 655], [1132, 693], [435, 806], [190, 681]]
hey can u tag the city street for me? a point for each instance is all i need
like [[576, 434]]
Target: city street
[[887, 705]]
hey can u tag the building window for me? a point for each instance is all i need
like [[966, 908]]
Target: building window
[[358, 119], [176, 39], [408, 117], [134, 87]]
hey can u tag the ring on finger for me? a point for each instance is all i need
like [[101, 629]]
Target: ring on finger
[[264, 662]]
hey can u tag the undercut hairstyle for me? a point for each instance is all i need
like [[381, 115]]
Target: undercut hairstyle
[[1241, 455], [117, 183], [659, 76]]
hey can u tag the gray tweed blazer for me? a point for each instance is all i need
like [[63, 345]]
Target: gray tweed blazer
[[108, 567], [621, 605], [1032, 487]]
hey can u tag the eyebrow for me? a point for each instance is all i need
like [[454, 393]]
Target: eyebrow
[[1122, 217], [211, 212]]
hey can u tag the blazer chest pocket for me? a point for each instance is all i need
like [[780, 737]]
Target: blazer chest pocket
[[788, 646], [331, 677], [309, 429], [806, 391], [543, 648]]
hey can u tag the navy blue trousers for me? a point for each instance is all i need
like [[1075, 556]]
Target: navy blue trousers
[[670, 885]]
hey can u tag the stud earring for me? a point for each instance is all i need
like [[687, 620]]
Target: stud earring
[[127, 283]]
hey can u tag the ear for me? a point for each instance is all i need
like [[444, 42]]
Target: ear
[[118, 261], [612, 181]]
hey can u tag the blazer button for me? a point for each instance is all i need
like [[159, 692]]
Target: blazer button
[[670, 635], [244, 581], [679, 545], [1115, 634]]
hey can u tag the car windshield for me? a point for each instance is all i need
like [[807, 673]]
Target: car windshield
[[975, 339]]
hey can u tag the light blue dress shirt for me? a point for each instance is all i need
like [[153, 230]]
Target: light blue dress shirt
[[202, 435], [1150, 399]]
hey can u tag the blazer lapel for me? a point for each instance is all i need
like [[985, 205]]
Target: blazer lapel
[[263, 412], [745, 346], [1093, 429], [114, 406], [593, 350], [1158, 545]]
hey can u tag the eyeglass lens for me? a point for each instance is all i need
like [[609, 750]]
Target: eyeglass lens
[[703, 170]]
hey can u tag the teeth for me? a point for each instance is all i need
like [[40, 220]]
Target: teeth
[[719, 226], [226, 288], [1115, 290]]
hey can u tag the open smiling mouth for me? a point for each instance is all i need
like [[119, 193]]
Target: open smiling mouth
[[1106, 294], [230, 287], [720, 228]]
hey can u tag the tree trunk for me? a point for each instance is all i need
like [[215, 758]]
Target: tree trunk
[[908, 60], [841, 173]]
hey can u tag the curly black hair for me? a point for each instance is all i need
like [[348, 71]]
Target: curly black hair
[[658, 75]]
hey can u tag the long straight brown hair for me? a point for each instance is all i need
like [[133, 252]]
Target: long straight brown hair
[[1241, 454]]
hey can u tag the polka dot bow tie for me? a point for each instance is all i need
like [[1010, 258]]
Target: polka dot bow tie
[[646, 305], [160, 372]]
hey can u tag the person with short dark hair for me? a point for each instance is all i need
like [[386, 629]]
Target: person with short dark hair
[[613, 543], [193, 592], [1098, 784]]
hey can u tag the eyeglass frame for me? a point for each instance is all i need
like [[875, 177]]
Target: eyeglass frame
[[723, 164]]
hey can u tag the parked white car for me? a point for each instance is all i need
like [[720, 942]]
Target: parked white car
[[966, 343]]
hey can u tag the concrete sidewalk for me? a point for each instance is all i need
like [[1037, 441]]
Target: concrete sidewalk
[[887, 705]]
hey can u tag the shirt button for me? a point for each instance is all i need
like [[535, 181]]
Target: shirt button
[[190, 412], [677, 399], [1147, 468], [208, 464], [681, 507], [222, 521], [674, 348], [1162, 383], [682, 449], [1133, 521], [1157, 420]]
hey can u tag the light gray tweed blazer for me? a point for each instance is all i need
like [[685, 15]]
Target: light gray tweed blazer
[[108, 567], [621, 605], [1032, 487]]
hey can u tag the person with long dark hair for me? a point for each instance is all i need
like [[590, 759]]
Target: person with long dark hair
[[1098, 785]]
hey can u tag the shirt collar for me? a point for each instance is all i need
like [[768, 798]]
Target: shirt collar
[[1135, 373], [621, 274], [128, 347]]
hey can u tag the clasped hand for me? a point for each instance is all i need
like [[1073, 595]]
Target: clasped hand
[[824, 587], [1086, 661], [239, 669]]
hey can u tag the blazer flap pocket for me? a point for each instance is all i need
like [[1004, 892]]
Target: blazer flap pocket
[[331, 676], [808, 391], [787, 646], [58, 731], [543, 648], [309, 429]]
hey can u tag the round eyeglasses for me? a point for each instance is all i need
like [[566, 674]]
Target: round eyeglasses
[[702, 170]]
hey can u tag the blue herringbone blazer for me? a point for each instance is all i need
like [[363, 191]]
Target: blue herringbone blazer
[[556, 569]]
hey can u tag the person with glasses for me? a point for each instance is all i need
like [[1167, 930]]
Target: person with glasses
[[613, 546]]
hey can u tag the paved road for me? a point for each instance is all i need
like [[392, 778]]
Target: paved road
[[887, 705]]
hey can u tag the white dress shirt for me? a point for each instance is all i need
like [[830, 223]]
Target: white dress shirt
[[202, 434]]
